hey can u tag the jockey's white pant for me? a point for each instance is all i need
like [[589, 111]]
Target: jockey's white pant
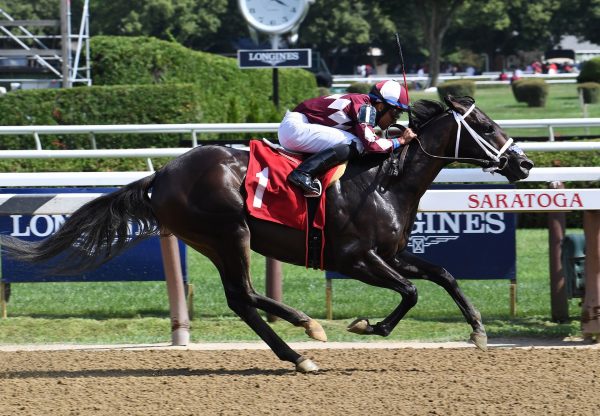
[[298, 135]]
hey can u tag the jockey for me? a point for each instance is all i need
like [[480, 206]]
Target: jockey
[[339, 127]]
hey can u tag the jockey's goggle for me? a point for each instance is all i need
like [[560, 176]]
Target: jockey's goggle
[[396, 111]]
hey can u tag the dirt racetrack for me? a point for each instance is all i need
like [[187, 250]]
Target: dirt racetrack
[[390, 381]]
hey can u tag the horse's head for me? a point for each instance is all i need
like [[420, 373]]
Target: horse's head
[[481, 141]]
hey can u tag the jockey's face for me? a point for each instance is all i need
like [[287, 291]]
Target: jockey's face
[[389, 115]]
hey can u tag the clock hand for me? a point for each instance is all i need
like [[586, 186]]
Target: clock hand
[[280, 2]]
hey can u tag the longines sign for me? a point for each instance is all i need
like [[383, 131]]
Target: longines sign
[[140, 263], [274, 58], [470, 245]]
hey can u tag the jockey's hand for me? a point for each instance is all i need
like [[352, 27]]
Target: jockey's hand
[[407, 136]]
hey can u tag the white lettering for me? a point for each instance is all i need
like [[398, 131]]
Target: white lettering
[[48, 228], [39, 225], [273, 58], [495, 222], [16, 232], [474, 223], [459, 222], [450, 220]]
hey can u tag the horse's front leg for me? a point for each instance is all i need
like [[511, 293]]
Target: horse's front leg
[[373, 270], [415, 267]]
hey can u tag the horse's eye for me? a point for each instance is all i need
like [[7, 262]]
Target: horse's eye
[[489, 129]]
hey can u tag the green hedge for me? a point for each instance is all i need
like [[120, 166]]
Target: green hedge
[[229, 94], [590, 71], [122, 104], [456, 88], [359, 87], [590, 91], [531, 91]]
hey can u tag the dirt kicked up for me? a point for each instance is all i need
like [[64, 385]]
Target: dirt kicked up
[[407, 381]]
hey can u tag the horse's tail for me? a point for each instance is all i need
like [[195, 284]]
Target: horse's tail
[[94, 233]]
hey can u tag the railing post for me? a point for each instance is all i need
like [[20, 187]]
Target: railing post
[[590, 313], [559, 304], [38, 142]]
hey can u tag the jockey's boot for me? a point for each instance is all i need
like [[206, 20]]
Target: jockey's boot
[[304, 175]]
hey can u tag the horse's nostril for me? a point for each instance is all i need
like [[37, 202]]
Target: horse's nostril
[[526, 164]]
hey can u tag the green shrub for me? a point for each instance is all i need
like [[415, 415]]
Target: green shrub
[[359, 87], [517, 92], [118, 104], [590, 92], [590, 71], [456, 88], [532, 91], [324, 91], [225, 87]]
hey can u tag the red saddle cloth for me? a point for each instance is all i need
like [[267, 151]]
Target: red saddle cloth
[[272, 198]]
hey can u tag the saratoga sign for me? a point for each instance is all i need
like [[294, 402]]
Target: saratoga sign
[[511, 200]]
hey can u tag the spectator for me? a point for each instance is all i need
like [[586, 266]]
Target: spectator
[[517, 74], [537, 67], [503, 76]]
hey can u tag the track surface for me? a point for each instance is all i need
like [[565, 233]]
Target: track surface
[[393, 379]]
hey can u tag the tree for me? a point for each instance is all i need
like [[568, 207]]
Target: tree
[[500, 28], [577, 17], [436, 17], [344, 27], [193, 23]]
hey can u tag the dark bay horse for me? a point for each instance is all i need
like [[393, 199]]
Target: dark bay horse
[[200, 195]]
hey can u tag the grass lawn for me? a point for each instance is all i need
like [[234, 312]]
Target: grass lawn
[[138, 312]]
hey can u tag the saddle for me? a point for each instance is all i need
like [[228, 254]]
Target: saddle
[[271, 198]]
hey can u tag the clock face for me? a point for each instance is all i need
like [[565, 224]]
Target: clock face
[[273, 16]]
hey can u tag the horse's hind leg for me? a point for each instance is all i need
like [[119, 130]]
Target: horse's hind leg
[[231, 256], [415, 267], [312, 328]]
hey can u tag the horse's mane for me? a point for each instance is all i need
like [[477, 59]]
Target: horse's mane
[[422, 111]]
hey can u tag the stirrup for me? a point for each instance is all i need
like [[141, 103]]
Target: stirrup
[[314, 195], [306, 183]]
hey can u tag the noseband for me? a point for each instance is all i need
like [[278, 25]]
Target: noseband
[[493, 164]]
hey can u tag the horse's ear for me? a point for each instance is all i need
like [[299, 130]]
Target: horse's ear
[[455, 104], [451, 102]]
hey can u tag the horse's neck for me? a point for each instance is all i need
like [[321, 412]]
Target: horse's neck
[[420, 170]]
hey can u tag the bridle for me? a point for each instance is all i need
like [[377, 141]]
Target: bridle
[[495, 161]]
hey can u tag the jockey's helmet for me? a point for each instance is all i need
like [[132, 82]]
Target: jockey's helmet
[[390, 92]]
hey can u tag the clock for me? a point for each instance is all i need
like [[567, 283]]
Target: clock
[[274, 16]]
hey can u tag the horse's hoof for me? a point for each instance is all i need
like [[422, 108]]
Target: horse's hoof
[[480, 340], [306, 366], [360, 326], [315, 330]]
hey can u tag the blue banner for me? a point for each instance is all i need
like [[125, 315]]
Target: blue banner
[[143, 262], [470, 245]]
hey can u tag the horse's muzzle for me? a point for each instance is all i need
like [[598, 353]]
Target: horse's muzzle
[[516, 167]]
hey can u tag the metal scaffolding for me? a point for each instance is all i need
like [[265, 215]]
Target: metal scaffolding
[[25, 54]]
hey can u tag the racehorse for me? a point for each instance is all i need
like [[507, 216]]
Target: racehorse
[[199, 197]]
